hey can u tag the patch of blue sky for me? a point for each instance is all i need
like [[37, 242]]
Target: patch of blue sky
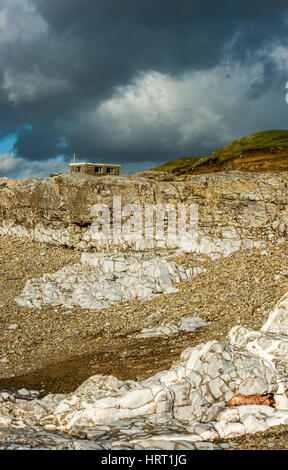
[[7, 144]]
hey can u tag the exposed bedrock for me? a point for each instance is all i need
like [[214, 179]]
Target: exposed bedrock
[[235, 210], [175, 409], [100, 280]]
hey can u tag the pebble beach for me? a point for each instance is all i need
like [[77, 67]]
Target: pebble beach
[[54, 350]]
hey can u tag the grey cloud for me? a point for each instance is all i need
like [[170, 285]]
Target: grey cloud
[[63, 62]]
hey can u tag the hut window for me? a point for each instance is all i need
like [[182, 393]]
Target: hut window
[[79, 169], [110, 171], [98, 169]]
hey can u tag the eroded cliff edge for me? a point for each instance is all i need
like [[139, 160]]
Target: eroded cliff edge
[[235, 210]]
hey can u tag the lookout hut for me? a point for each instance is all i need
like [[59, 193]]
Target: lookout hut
[[96, 169]]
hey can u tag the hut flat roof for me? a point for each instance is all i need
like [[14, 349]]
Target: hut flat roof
[[94, 164]]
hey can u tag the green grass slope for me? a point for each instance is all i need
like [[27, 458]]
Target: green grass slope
[[259, 140]]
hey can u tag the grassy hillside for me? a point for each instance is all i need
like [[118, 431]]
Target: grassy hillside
[[260, 146]]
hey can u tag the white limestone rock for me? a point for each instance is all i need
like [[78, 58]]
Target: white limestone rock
[[101, 280], [187, 324], [192, 323], [180, 408], [271, 347], [278, 319]]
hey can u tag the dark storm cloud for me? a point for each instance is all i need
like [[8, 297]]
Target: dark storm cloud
[[170, 35], [62, 60]]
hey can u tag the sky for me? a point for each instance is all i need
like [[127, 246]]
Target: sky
[[136, 83]]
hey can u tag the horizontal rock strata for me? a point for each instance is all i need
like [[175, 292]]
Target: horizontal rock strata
[[248, 211]]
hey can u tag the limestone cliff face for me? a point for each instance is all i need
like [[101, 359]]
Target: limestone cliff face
[[235, 209]]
